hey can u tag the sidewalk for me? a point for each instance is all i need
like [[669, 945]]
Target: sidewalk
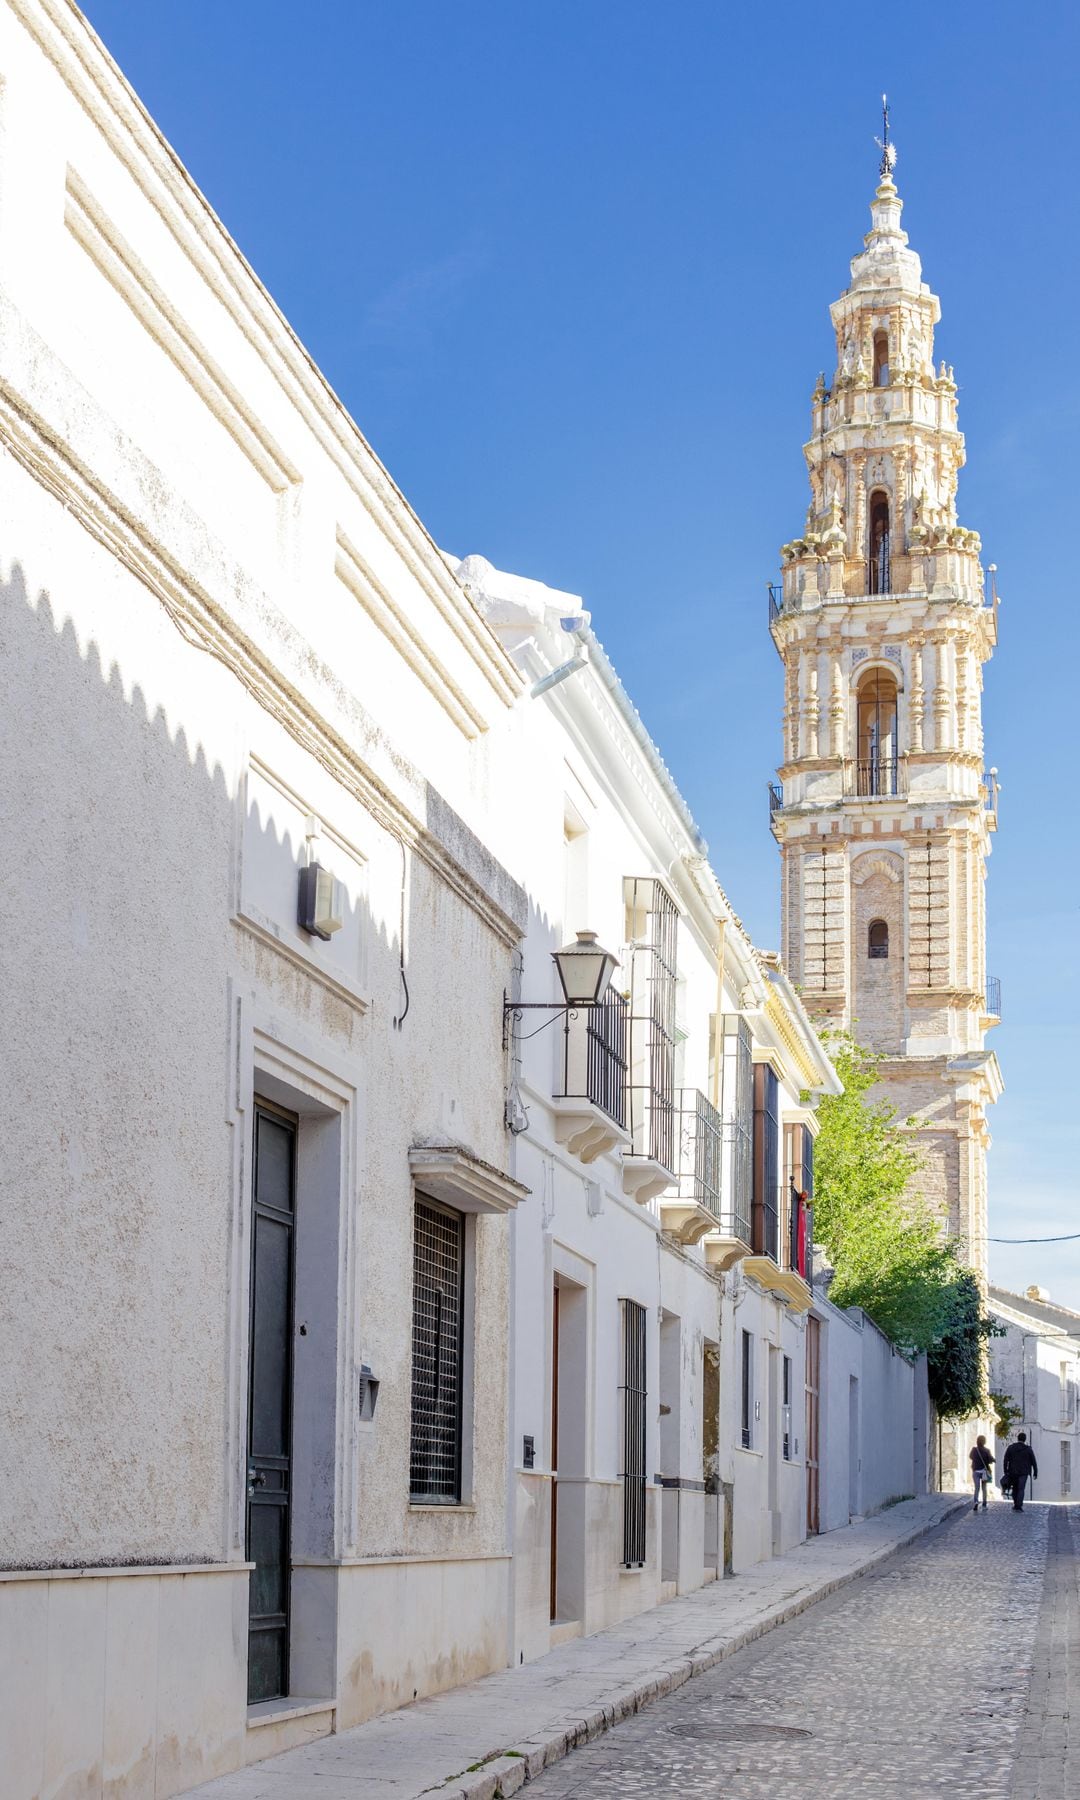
[[488, 1739]]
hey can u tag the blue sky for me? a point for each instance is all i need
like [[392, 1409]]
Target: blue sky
[[569, 268]]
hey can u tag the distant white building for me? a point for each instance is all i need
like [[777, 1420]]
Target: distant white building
[[1036, 1366]]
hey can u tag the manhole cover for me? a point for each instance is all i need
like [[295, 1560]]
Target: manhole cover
[[728, 1729]]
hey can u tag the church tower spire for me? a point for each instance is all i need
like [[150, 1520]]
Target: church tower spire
[[885, 815]]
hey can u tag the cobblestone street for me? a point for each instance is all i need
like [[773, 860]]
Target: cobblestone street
[[946, 1671]]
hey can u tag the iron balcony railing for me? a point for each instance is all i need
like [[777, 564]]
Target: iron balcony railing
[[776, 799], [800, 1232], [776, 600], [739, 1186], [701, 1150], [594, 1056], [877, 777], [768, 1232], [993, 997]]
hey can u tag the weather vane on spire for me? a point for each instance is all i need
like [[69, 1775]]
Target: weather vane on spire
[[888, 149]]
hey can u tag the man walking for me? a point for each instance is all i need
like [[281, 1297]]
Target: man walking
[[1018, 1465]]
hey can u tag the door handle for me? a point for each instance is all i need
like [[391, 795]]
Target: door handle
[[256, 1479]]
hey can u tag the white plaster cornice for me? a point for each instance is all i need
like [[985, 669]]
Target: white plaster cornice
[[453, 1174], [96, 83]]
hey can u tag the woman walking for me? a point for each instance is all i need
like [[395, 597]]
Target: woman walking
[[982, 1466]]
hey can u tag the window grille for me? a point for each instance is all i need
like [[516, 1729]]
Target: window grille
[[747, 1388], [738, 1077], [633, 1434], [766, 1213], [652, 932], [1066, 1470], [786, 1415], [799, 1186], [438, 1275], [701, 1146], [877, 936]]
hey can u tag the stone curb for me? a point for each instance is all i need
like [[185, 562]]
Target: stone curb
[[524, 1761]]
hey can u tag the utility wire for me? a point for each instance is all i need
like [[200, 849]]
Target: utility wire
[[1066, 1238]]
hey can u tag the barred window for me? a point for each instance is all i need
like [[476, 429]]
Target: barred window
[[738, 1078], [652, 923], [633, 1434], [438, 1274]]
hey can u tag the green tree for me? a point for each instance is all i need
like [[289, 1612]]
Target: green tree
[[886, 1247], [885, 1242]]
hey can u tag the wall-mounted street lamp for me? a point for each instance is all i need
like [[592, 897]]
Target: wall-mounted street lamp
[[585, 971]]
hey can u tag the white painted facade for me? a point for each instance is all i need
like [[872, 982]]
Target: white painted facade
[[231, 651], [726, 1484], [1036, 1366]]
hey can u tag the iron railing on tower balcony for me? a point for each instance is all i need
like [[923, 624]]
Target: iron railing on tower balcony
[[700, 1151], [776, 800], [776, 600], [993, 997], [877, 777], [594, 1056]]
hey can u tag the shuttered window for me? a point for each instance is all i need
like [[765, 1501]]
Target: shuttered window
[[633, 1397], [438, 1274]]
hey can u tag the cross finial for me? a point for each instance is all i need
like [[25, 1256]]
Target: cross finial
[[888, 149]]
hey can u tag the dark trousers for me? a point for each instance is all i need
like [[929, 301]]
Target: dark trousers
[[1019, 1483]]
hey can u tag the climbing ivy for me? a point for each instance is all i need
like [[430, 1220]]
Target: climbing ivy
[[1006, 1412]]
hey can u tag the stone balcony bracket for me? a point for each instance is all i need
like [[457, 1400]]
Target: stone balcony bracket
[[686, 1220], [722, 1253], [586, 1129], [784, 1283], [644, 1179]]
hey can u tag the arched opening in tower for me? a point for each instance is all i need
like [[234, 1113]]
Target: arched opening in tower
[[876, 732], [880, 557], [881, 359]]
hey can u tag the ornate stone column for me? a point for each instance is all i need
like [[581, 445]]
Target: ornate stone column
[[836, 705], [962, 726], [917, 704], [942, 697], [811, 710]]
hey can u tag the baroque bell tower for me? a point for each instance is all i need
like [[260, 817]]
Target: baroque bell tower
[[885, 815]]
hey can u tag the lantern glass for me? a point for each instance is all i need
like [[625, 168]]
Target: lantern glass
[[585, 969]]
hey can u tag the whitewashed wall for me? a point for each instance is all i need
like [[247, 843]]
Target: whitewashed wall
[[224, 632], [873, 1419]]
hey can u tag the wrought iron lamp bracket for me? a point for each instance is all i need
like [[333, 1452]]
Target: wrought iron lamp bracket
[[513, 1011]]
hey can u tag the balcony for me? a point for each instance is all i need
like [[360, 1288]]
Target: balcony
[[877, 778], [781, 1261], [730, 1240], [776, 600], [693, 1208], [993, 997], [776, 800], [590, 1087]]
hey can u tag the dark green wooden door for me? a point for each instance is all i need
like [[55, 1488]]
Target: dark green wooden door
[[270, 1405]]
